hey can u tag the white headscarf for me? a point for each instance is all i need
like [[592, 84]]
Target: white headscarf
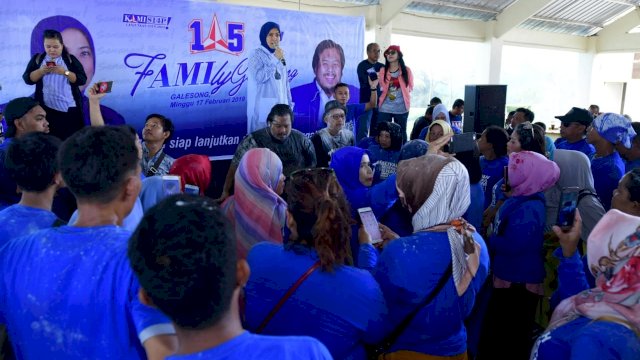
[[441, 109]]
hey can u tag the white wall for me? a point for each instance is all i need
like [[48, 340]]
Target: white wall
[[615, 68]]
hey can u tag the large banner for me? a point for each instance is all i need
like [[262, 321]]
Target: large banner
[[186, 60]]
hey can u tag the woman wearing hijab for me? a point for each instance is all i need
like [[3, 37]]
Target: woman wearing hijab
[[602, 322], [353, 170], [256, 208], [441, 119], [385, 153], [435, 189], [338, 304], [517, 259], [268, 82], [396, 82], [607, 166]]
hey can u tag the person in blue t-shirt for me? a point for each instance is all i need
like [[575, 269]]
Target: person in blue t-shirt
[[607, 166], [338, 304], [357, 114], [598, 322], [185, 257], [31, 163], [573, 130], [493, 147], [79, 297], [631, 155], [385, 153]]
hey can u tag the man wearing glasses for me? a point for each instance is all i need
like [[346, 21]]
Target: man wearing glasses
[[573, 130], [334, 136]]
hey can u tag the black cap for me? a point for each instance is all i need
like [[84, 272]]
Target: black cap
[[333, 104], [16, 109], [576, 114]]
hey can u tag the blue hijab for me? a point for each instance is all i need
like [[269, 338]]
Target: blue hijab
[[264, 31], [413, 149], [346, 163]]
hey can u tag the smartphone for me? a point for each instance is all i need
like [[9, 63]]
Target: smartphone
[[171, 184], [51, 63], [567, 209], [104, 87], [191, 189], [505, 175], [370, 224], [373, 75], [462, 142]]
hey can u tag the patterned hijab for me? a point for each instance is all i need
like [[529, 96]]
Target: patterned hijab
[[259, 213], [530, 173], [436, 189], [613, 253], [615, 128]]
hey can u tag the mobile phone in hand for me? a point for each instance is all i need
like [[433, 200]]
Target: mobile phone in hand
[[171, 184], [567, 208], [51, 64], [505, 175], [370, 224], [104, 87]]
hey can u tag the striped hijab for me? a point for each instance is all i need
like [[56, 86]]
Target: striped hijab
[[437, 190], [259, 213]]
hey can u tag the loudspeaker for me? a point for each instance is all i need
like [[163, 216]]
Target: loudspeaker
[[484, 105]]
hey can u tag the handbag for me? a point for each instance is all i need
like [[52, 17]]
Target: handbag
[[378, 351], [286, 296]]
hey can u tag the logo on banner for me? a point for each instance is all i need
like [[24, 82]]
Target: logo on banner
[[146, 20], [233, 43]]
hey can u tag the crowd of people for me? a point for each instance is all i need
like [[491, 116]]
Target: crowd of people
[[102, 259]]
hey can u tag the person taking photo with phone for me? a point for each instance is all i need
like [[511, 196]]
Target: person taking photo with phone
[[57, 76]]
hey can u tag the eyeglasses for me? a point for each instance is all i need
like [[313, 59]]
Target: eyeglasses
[[308, 173], [391, 52]]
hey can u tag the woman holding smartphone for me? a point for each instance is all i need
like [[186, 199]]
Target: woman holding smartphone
[[58, 76]]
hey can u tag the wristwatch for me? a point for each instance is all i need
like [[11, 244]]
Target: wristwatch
[[66, 73]]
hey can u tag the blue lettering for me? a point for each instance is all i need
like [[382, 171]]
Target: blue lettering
[[182, 69], [146, 72]]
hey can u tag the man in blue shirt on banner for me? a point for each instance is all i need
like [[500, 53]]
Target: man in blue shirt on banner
[[328, 64], [69, 292], [185, 257]]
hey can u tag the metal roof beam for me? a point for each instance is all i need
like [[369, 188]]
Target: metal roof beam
[[388, 9], [456, 6], [565, 21], [514, 15]]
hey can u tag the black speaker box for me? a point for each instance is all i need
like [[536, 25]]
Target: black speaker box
[[484, 105]]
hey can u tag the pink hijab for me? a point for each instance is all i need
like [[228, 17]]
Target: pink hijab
[[530, 173], [613, 252]]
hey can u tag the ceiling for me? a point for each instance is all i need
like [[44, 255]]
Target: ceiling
[[572, 17]]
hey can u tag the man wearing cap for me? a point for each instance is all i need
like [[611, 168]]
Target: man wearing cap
[[23, 115], [573, 130], [607, 167], [334, 136]]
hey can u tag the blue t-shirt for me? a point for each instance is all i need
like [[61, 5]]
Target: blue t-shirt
[[492, 172], [69, 293], [607, 172], [353, 114], [249, 346], [18, 220], [384, 162], [630, 165], [130, 222], [550, 148], [583, 146], [407, 270], [476, 209], [343, 309], [585, 339]]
